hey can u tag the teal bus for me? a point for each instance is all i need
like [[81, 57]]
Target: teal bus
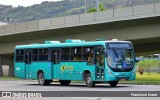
[[76, 60]]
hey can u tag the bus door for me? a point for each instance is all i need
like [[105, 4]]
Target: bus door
[[99, 64], [55, 60], [28, 61]]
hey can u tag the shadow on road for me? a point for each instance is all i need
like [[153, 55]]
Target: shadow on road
[[83, 85]]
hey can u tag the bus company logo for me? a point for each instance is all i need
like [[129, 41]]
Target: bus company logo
[[62, 68], [67, 68], [6, 94]]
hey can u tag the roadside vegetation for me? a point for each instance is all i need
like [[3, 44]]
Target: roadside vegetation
[[9, 78], [144, 74], [145, 79]]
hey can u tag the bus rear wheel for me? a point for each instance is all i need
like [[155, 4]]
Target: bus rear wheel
[[42, 81], [65, 82], [88, 81], [113, 83]]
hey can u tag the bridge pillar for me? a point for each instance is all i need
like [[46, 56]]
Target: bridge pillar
[[1, 73], [7, 65], [11, 67], [10, 63]]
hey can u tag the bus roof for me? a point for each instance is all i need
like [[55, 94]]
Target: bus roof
[[48, 44]]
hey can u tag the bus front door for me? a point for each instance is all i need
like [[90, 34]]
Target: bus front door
[[99, 65], [55, 61], [28, 60]]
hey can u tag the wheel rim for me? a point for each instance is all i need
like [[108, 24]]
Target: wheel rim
[[41, 78], [89, 80]]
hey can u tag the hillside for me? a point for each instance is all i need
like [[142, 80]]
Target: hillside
[[9, 14]]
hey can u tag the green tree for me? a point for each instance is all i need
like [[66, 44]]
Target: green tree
[[101, 8], [91, 10], [147, 64]]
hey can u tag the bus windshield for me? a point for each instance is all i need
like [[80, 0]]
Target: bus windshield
[[120, 57]]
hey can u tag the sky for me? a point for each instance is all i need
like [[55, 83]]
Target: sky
[[24, 3]]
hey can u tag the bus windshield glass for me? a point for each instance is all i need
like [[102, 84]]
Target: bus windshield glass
[[120, 55]]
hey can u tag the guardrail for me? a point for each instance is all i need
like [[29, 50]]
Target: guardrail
[[83, 19]]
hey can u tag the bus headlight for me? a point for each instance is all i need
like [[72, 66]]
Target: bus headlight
[[109, 72], [134, 71]]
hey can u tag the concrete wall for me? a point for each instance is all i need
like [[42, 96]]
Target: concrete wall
[[144, 9], [122, 12], [74, 19], [2, 30], [45, 23], [104, 15], [10, 29], [57, 21], [157, 8], [32, 25], [21, 27]]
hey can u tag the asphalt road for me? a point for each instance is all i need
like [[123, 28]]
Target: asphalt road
[[24, 85]]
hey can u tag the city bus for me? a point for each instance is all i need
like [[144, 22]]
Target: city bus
[[94, 62]]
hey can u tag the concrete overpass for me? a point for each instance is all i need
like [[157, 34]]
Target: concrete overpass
[[139, 24]]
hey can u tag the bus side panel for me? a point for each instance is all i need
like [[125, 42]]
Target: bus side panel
[[80, 67], [19, 70], [73, 70], [44, 66]]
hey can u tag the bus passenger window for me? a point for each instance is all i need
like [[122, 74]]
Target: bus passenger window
[[43, 54], [19, 55], [65, 54], [35, 55], [87, 53], [76, 53], [90, 57]]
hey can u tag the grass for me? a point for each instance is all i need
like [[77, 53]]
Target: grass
[[146, 77], [9, 78], [153, 78]]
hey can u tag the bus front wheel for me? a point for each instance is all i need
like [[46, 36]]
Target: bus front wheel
[[88, 81], [42, 81], [113, 83]]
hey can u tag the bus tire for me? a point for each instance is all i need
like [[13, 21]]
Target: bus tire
[[64, 82], [113, 83], [88, 81], [41, 79]]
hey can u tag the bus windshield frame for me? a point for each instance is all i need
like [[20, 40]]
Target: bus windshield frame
[[120, 55]]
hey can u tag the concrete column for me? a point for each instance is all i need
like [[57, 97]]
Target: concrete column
[[8, 60], [11, 67], [1, 67]]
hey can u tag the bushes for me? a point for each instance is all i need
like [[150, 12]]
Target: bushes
[[147, 64]]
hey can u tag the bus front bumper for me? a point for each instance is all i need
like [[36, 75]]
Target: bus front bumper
[[120, 76]]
